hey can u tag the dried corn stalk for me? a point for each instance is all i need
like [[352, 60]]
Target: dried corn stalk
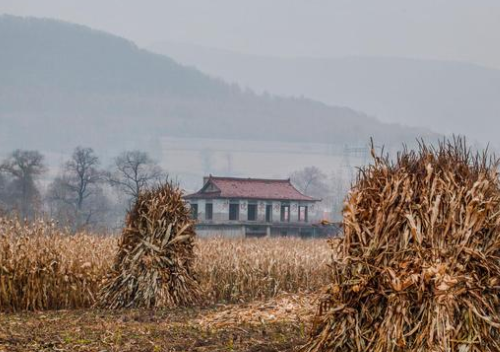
[[153, 266], [44, 267], [418, 269]]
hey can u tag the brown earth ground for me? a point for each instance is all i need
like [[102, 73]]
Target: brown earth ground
[[279, 324]]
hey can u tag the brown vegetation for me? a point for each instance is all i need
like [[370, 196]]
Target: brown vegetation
[[242, 270], [274, 325], [419, 267], [42, 267], [154, 263]]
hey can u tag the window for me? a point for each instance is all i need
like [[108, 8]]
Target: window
[[252, 212], [269, 212], [209, 211], [234, 211], [302, 213], [194, 211], [285, 213]]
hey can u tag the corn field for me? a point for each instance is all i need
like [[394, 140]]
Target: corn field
[[246, 269], [43, 267]]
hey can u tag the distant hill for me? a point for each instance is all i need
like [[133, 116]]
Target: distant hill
[[447, 97], [63, 84]]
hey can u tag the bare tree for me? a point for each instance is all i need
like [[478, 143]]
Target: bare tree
[[311, 181], [133, 171], [77, 197], [23, 167]]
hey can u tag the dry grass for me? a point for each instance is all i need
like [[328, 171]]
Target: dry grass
[[42, 267], [271, 326]]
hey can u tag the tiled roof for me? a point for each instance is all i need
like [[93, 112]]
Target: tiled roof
[[249, 188]]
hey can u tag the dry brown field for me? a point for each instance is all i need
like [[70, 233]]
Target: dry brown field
[[257, 295]]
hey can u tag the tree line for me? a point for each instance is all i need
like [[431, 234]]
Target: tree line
[[84, 195], [87, 196]]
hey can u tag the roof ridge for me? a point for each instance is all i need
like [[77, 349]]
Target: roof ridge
[[248, 179]]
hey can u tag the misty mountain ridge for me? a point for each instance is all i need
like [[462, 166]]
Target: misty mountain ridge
[[63, 85], [445, 96]]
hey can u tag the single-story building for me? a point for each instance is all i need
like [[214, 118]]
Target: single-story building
[[239, 207]]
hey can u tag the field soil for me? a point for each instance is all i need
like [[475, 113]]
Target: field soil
[[278, 324]]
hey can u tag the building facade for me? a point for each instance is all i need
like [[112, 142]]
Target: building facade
[[246, 207]]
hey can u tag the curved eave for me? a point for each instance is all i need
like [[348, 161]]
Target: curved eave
[[207, 196]]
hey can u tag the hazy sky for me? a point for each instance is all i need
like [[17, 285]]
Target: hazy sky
[[466, 30]]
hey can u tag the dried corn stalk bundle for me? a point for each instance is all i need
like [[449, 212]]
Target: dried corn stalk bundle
[[153, 266], [418, 269]]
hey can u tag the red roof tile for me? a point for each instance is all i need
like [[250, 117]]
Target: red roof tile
[[249, 188]]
